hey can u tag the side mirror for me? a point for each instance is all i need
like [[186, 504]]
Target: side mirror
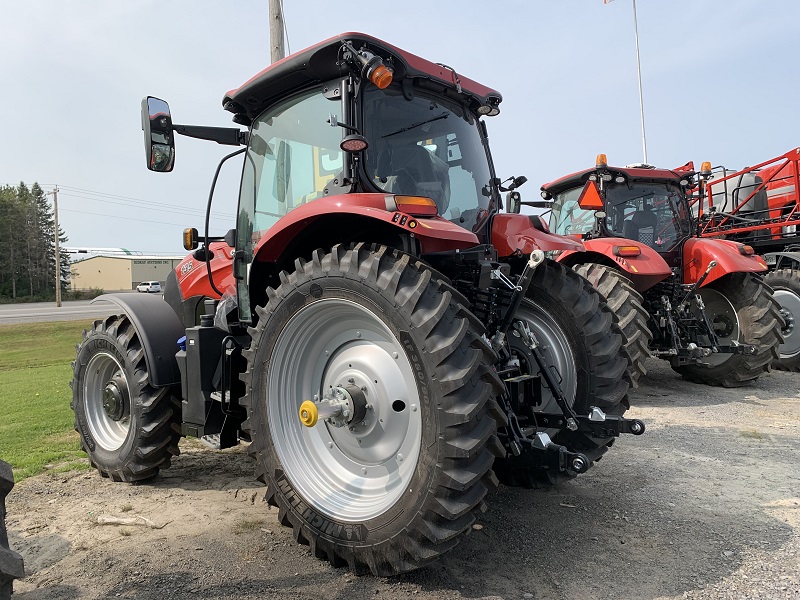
[[513, 202], [159, 143]]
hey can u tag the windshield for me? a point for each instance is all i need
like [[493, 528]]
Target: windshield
[[653, 214], [425, 147]]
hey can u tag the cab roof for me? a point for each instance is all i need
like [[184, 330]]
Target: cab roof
[[320, 63], [648, 174]]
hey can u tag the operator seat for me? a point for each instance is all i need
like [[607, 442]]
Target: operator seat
[[641, 227], [419, 172]]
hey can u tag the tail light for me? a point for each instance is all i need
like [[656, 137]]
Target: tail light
[[746, 250], [627, 251], [416, 206]]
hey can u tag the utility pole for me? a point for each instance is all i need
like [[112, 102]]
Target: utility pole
[[58, 256], [276, 47]]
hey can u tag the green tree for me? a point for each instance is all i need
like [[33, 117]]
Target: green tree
[[27, 244]]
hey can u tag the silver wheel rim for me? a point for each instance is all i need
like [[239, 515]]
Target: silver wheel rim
[[556, 350], [790, 304], [106, 432], [351, 474], [723, 317]]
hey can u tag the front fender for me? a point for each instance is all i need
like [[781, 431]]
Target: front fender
[[699, 252], [159, 330], [512, 233]]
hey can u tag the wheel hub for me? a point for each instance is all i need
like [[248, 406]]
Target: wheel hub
[[115, 403], [107, 401], [340, 407], [722, 314], [723, 326], [344, 410], [790, 311]]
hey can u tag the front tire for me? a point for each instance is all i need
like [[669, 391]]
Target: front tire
[[785, 284], [628, 305], [402, 485], [129, 429], [741, 308]]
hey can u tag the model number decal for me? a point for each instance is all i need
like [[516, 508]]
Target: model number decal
[[186, 267]]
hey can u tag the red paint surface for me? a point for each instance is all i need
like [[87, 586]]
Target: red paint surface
[[193, 274], [699, 252], [512, 233]]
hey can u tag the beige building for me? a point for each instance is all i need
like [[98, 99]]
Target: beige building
[[116, 273]]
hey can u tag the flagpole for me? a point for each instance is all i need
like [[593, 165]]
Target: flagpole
[[639, 73]]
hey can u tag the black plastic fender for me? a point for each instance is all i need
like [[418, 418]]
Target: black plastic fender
[[159, 330], [777, 260]]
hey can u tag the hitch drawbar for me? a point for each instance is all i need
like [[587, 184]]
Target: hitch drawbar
[[596, 424]]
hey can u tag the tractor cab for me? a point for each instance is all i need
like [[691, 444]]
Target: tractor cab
[[648, 208]]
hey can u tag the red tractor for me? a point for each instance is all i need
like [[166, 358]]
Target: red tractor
[[385, 339], [699, 303], [758, 206]]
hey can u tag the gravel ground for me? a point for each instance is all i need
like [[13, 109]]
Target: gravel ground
[[705, 505]]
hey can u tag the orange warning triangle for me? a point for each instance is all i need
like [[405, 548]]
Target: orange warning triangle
[[590, 198]]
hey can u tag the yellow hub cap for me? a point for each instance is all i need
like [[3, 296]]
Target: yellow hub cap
[[309, 413]]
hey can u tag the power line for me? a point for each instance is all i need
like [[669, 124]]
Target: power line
[[130, 201], [173, 210], [285, 28], [83, 212], [160, 205]]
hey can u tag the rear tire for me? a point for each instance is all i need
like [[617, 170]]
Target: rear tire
[[381, 321], [580, 337], [785, 284], [748, 314], [628, 305], [129, 429]]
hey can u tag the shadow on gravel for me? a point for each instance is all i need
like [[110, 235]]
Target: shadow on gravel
[[57, 592], [663, 387]]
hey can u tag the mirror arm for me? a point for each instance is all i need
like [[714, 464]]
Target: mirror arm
[[227, 136]]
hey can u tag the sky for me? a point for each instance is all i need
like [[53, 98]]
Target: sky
[[720, 83]]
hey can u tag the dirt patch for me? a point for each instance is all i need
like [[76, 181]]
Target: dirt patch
[[705, 505]]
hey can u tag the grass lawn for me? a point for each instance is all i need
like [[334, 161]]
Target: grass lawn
[[36, 422]]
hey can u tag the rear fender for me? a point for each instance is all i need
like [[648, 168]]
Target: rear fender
[[699, 252], [159, 330], [644, 270], [513, 233], [434, 234]]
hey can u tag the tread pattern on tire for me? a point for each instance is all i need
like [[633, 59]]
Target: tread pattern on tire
[[628, 305], [463, 365], [158, 428], [760, 321], [789, 280]]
